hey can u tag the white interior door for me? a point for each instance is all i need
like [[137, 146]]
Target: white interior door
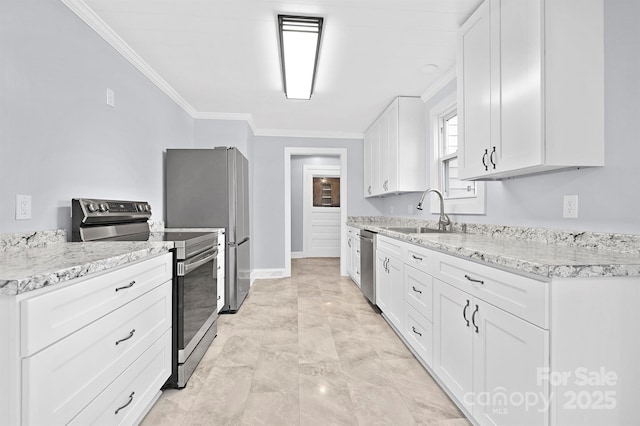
[[321, 235]]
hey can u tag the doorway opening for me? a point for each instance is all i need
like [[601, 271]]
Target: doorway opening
[[340, 154]]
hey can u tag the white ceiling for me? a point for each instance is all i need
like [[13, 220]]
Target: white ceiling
[[219, 59]]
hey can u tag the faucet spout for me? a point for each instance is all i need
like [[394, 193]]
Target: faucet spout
[[444, 220]]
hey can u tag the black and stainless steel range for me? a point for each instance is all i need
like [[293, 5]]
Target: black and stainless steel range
[[195, 272]]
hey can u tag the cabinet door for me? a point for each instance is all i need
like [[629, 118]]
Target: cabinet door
[[384, 162], [349, 255], [453, 340], [367, 162], [474, 94], [382, 282], [508, 355], [356, 262], [392, 148], [520, 37], [396, 292], [221, 271], [376, 188]]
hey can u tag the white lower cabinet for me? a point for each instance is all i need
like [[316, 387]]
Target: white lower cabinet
[[489, 359], [95, 350], [221, 271], [353, 254], [389, 287]]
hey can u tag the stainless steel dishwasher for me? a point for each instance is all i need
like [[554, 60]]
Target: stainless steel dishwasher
[[368, 264]]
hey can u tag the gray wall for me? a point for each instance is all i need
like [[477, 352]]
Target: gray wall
[[608, 196], [297, 188], [268, 192], [212, 133], [58, 138]]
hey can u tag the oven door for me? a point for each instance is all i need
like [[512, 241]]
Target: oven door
[[197, 300]]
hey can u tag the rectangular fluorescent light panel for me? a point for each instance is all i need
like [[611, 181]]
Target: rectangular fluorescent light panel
[[299, 49]]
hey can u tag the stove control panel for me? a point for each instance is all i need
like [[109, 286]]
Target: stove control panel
[[110, 208]]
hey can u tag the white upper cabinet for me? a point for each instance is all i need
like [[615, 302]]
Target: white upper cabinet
[[530, 87], [395, 150]]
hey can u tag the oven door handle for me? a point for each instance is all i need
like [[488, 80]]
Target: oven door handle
[[185, 267]]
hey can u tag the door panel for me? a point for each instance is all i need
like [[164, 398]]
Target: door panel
[[508, 353], [453, 341]]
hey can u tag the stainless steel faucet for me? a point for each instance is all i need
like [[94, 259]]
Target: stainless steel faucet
[[444, 220]]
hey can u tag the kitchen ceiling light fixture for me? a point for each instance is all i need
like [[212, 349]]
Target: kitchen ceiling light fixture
[[299, 50]]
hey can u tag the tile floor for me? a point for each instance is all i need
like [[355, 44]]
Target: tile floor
[[306, 350]]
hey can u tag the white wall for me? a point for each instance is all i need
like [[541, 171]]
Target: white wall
[[297, 187], [608, 196], [268, 192], [58, 138]]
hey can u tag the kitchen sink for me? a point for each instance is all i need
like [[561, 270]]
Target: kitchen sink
[[414, 230]]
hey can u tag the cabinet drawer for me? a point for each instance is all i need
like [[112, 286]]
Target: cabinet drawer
[[48, 318], [524, 297], [419, 333], [420, 258], [125, 400], [418, 291], [353, 232], [62, 379], [390, 246]]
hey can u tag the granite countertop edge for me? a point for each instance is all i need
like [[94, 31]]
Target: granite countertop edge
[[482, 249], [67, 261]]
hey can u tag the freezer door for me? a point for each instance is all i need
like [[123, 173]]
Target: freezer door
[[196, 188]]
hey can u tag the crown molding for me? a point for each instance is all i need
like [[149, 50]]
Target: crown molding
[[96, 23], [445, 79], [84, 12], [318, 134]]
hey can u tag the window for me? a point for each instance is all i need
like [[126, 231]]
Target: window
[[461, 197]]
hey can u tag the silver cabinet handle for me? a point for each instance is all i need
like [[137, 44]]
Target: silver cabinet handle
[[369, 189], [127, 404], [349, 243], [416, 331], [484, 158], [416, 257], [126, 338], [416, 290], [473, 280], [126, 286]]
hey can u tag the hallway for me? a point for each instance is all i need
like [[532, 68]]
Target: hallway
[[307, 350]]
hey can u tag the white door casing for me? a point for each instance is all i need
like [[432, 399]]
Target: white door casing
[[321, 225], [342, 153]]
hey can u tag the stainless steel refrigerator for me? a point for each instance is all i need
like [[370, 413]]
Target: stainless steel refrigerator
[[210, 188]]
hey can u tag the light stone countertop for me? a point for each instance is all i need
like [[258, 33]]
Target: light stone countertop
[[37, 267], [540, 252]]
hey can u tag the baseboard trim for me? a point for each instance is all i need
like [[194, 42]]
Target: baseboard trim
[[297, 255], [261, 274]]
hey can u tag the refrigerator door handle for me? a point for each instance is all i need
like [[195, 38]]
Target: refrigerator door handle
[[234, 244]]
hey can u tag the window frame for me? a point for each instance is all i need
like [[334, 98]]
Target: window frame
[[461, 205]]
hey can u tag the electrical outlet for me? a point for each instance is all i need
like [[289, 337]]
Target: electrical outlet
[[570, 207], [23, 207]]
